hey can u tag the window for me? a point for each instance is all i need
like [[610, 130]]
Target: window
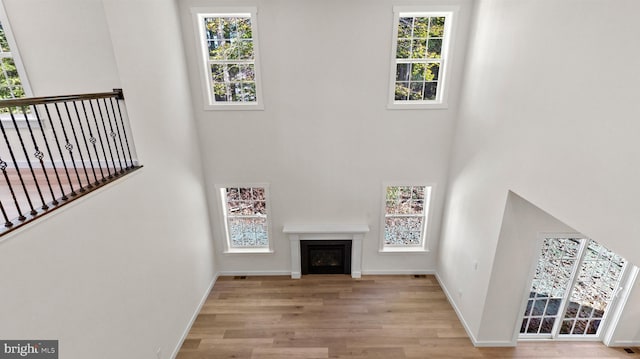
[[245, 212], [420, 56], [575, 284], [230, 56], [406, 211], [13, 82]]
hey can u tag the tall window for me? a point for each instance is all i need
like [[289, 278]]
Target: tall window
[[245, 211], [406, 211], [12, 77], [420, 51], [230, 53], [573, 289]]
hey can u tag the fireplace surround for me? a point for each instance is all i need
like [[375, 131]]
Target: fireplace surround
[[353, 233]]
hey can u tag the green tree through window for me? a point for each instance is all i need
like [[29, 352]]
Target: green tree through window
[[10, 83], [418, 57], [230, 57]]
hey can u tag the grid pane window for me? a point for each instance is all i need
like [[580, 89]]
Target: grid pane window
[[11, 86], [405, 216], [245, 210], [230, 53], [574, 284], [419, 57], [557, 259], [598, 278]]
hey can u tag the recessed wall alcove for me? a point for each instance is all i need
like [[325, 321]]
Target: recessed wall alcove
[[354, 233]]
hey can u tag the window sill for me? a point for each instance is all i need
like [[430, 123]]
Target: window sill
[[249, 251], [397, 105], [234, 107], [403, 250], [7, 122]]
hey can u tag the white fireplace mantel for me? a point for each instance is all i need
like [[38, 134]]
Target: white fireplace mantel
[[355, 233]]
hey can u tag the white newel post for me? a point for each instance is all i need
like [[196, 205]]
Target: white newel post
[[354, 233]]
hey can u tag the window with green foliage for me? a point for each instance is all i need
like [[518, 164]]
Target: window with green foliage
[[10, 83], [12, 78], [420, 55], [230, 56], [405, 216]]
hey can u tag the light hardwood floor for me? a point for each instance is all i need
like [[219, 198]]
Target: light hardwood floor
[[61, 181], [335, 316]]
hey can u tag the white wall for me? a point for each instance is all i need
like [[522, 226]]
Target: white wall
[[44, 41], [548, 111], [325, 141], [627, 331], [120, 273], [523, 227]]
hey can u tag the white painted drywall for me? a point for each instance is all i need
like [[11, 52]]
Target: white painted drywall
[[325, 141], [627, 330], [523, 227], [120, 273], [45, 31], [549, 111]]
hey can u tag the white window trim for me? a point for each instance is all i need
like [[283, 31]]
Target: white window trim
[[224, 229], [441, 102], [15, 54], [199, 13], [611, 317], [427, 219]]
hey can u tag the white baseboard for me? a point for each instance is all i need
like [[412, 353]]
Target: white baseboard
[[253, 273], [288, 273], [467, 328], [492, 344], [398, 272], [194, 316], [625, 343]]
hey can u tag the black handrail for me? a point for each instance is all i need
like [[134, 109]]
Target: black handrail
[[27, 101], [78, 142]]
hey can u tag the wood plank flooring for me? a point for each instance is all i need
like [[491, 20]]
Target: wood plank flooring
[[31, 190], [335, 316], [60, 180]]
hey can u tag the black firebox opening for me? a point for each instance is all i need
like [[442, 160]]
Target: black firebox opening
[[325, 257]]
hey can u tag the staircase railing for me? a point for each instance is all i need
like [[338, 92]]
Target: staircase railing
[[56, 149]]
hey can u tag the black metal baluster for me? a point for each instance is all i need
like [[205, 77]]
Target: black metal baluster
[[95, 118], [3, 167], [75, 137], [54, 201], [115, 120], [7, 222], [93, 142], [64, 164], [119, 98], [15, 163], [68, 146], [26, 155], [106, 136], [113, 135], [39, 155], [109, 117], [86, 145]]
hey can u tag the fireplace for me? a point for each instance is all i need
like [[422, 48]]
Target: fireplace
[[325, 257], [354, 234]]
